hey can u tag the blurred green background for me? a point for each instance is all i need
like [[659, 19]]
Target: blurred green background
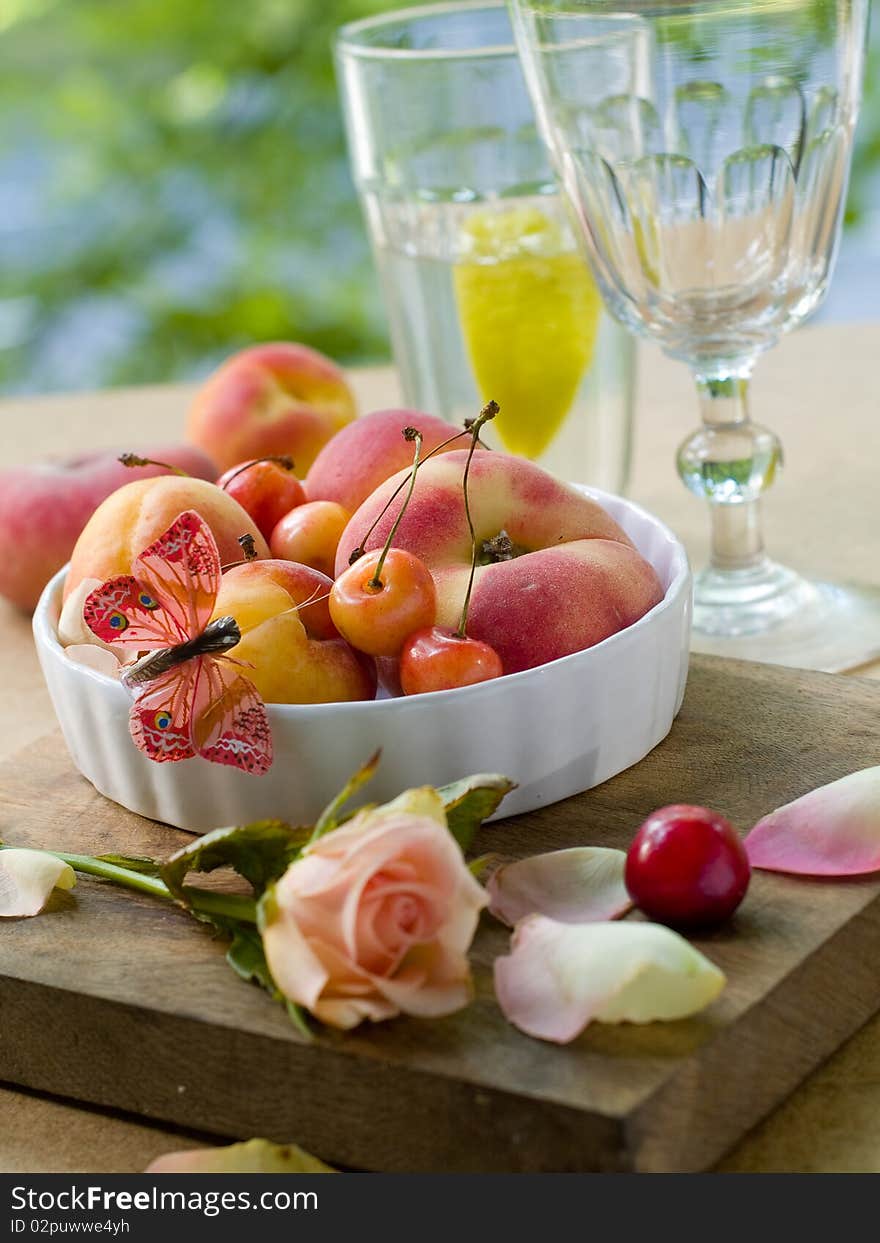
[[173, 185]]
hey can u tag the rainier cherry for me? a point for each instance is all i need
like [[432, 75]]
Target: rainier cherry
[[687, 867], [384, 596], [310, 534], [436, 658]]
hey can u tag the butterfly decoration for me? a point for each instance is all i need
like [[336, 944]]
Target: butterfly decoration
[[189, 699]]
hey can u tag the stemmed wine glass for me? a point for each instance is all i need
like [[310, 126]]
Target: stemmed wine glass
[[704, 148]]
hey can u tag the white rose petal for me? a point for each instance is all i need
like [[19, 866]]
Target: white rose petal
[[27, 878], [577, 886], [71, 627], [94, 657], [560, 977], [256, 1156]]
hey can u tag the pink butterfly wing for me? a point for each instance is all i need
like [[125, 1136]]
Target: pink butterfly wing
[[182, 570], [161, 716], [203, 706], [230, 723], [124, 610], [169, 598]]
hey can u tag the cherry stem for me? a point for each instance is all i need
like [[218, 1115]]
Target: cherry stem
[[248, 547], [410, 433], [282, 459], [488, 412], [361, 548], [134, 459]]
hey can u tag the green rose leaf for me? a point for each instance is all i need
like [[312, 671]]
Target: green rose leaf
[[247, 959], [471, 801], [133, 863], [260, 852], [331, 817]]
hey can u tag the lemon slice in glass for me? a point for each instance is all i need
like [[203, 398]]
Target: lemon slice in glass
[[529, 312]]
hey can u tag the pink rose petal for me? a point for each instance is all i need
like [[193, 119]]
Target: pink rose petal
[[577, 886], [558, 977], [376, 918], [27, 878], [832, 831]]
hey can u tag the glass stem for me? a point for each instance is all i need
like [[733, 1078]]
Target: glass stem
[[737, 538], [730, 462], [737, 541]]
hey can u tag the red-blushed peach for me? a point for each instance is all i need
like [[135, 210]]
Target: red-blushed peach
[[273, 398], [44, 507], [267, 490], [310, 534], [293, 651], [130, 519], [363, 455], [556, 575]]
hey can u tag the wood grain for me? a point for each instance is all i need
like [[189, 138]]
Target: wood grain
[[154, 1023]]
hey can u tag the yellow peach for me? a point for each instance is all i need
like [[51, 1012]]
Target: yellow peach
[[131, 518], [291, 650]]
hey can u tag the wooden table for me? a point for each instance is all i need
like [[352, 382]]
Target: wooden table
[[818, 391]]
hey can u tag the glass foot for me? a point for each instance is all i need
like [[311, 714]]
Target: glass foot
[[772, 615]]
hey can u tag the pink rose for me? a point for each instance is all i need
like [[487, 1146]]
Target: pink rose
[[376, 918]]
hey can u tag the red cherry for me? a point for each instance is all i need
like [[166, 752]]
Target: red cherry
[[437, 659], [687, 867], [265, 488]]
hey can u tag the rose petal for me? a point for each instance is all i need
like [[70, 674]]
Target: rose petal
[[434, 983], [578, 886], [295, 967], [71, 627], [74, 635], [257, 1156], [832, 831], [94, 657], [27, 878], [560, 977]]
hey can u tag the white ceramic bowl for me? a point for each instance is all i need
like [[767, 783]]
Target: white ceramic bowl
[[556, 730]]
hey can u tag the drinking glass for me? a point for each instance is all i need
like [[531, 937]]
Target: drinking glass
[[705, 148], [488, 294]]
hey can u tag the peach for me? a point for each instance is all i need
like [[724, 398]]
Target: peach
[[556, 574], [310, 534], [274, 398], [44, 507], [364, 454], [267, 490], [132, 517], [292, 648]]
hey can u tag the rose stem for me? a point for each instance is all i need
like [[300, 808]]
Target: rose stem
[[206, 901], [410, 433], [488, 412], [283, 459], [134, 459]]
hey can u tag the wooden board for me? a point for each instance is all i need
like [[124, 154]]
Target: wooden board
[[115, 999]]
